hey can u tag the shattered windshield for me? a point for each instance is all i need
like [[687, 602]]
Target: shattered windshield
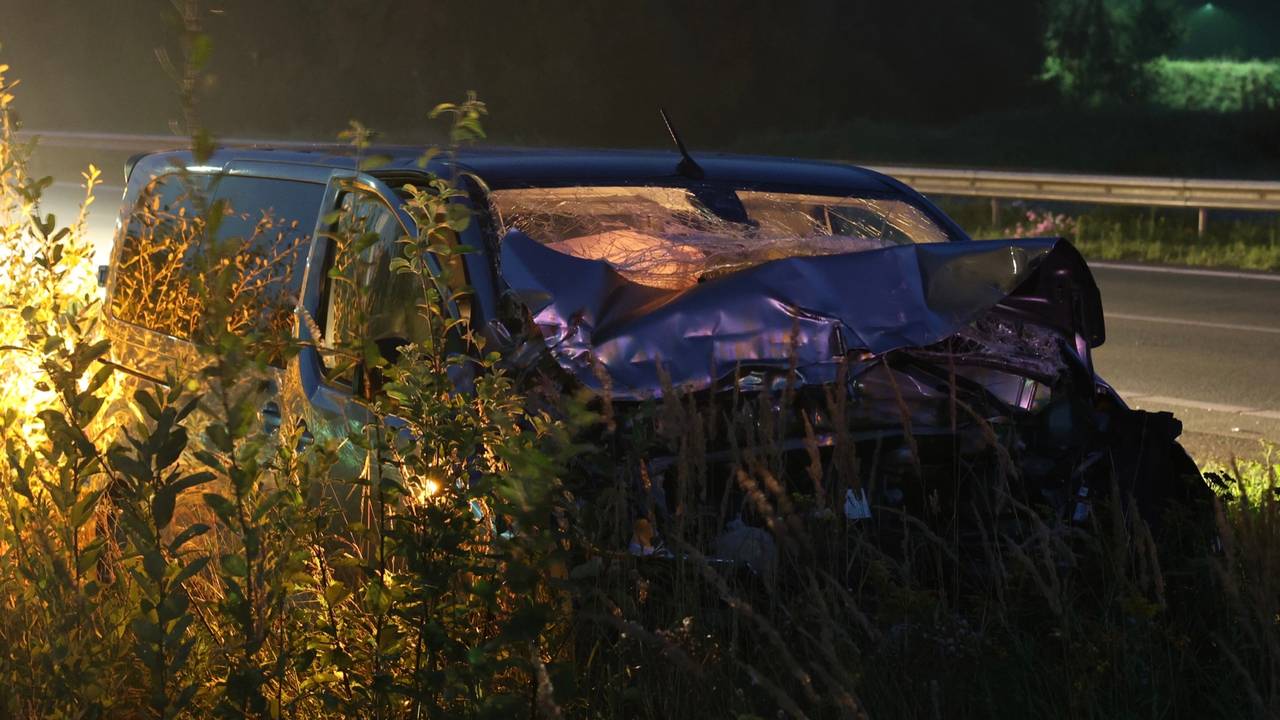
[[671, 237]]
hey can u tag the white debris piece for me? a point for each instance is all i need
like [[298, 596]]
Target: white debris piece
[[856, 506]]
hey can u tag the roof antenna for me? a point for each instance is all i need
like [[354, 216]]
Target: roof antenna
[[688, 167]]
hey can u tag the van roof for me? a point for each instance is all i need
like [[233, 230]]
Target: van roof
[[511, 166]]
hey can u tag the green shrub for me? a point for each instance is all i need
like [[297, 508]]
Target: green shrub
[[1222, 86]]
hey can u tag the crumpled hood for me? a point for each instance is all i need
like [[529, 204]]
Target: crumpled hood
[[816, 308]]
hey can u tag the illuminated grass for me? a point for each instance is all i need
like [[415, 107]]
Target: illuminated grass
[[1245, 241], [1248, 479]]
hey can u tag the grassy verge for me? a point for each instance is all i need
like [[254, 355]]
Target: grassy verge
[[1252, 479], [182, 564], [1245, 241]]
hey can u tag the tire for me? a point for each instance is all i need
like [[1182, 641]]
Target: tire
[[1166, 486]]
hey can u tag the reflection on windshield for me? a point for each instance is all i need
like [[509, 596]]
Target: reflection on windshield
[[671, 237]]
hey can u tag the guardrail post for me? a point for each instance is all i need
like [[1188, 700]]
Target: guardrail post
[[995, 212], [1202, 221]]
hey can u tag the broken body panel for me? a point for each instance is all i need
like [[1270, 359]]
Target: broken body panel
[[939, 352], [807, 315]]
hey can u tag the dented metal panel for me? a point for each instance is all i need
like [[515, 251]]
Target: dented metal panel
[[811, 310]]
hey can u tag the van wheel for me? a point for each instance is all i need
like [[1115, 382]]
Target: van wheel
[[1170, 493]]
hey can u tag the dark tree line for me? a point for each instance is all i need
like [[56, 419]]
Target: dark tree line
[[1098, 49], [551, 70]]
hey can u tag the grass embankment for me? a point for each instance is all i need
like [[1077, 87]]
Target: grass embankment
[[189, 567], [1245, 241]]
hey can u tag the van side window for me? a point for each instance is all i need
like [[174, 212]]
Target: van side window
[[152, 288], [367, 306], [170, 263]]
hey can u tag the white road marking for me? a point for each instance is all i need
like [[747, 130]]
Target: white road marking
[[1198, 404], [1266, 277], [1137, 397], [1193, 323]]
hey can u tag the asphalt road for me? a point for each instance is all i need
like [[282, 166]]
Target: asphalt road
[[1203, 344]]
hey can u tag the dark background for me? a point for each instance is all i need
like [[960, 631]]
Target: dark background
[[926, 81]]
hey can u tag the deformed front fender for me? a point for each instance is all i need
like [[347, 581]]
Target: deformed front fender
[[811, 311]]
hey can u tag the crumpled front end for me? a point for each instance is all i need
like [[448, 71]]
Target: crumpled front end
[[857, 379], [809, 315]]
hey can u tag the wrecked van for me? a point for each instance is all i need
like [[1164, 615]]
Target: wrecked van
[[804, 304]]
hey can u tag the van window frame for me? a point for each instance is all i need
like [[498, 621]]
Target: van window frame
[[315, 291], [321, 261], [211, 176], [324, 342]]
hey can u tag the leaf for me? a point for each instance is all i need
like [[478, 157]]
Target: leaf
[[457, 216], [234, 565], [86, 356], [221, 507], [526, 624], [202, 147], [427, 157], [219, 437], [162, 506], [100, 378], [192, 480], [90, 553], [147, 631], [189, 692], [210, 460], [130, 466], [189, 570], [187, 535], [83, 510], [153, 562], [376, 598], [336, 592], [269, 502], [174, 605], [88, 407], [172, 448], [186, 409], [148, 404], [180, 627]]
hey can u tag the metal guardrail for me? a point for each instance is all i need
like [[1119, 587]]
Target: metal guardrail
[[995, 184], [123, 142], [1201, 194], [1100, 189]]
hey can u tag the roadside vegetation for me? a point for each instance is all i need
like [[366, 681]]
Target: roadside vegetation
[[1255, 476], [1085, 85], [171, 561], [1220, 85], [1239, 240]]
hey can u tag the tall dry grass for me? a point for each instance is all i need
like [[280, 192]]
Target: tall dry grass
[[192, 567]]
